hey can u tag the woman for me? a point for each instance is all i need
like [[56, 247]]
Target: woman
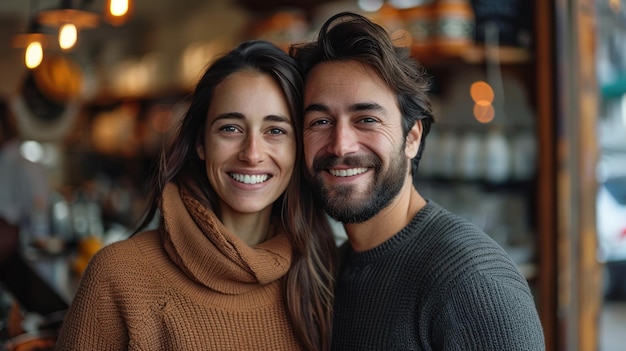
[[242, 259]]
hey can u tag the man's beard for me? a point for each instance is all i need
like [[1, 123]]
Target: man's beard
[[338, 201]]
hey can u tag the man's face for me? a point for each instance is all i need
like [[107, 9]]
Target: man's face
[[353, 143]]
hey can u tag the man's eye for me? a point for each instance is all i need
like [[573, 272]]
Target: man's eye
[[367, 120], [319, 122]]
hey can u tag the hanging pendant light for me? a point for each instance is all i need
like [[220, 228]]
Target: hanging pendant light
[[68, 35], [34, 41], [70, 21], [33, 56], [117, 12]]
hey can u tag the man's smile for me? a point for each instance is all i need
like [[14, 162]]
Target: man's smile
[[347, 172]]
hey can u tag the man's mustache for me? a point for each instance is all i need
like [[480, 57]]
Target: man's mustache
[[324, 162]]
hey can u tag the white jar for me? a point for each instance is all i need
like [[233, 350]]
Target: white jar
[[524, 155], [497, 157], [470, 165], [427, 165], [447, 155]]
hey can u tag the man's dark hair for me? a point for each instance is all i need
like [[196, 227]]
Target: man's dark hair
[[349, 36]]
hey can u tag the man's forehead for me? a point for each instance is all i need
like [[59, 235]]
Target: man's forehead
[[346, 76]]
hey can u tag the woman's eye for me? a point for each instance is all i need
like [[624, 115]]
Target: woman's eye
[[277, 131], [230, 129]]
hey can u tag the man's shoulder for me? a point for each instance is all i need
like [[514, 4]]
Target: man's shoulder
[[460, 244], [436, 226]]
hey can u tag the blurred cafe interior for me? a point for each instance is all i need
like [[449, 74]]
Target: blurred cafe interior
[[530, 124]]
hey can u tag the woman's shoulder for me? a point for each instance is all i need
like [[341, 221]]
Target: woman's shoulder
[[130, 267], [127, 255], [131, 245]]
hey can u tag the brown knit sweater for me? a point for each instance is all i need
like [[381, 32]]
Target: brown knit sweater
[[195, 286]]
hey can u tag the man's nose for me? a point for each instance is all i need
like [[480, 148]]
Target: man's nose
[[344, 140]]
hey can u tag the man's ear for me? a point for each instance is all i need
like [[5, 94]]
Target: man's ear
[[200, 151], [413, 140]]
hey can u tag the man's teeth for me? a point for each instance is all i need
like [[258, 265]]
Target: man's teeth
[[347, 172], [249, 179]]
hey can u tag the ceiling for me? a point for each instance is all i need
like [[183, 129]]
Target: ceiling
[[15, 16], [164, 25]]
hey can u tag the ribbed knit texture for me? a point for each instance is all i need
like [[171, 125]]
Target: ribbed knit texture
[[439, 284], [184, 287]]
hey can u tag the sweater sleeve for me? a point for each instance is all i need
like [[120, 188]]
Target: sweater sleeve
[[93, 321], [488, 313]]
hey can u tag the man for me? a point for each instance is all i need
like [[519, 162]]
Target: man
[[415, 276]]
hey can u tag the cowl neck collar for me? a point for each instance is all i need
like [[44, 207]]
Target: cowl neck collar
[[210, 254]]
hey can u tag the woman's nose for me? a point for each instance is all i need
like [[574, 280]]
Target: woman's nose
[[252, 150]]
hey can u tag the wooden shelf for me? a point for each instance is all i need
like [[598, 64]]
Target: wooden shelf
[[474, 54], [503, 54]]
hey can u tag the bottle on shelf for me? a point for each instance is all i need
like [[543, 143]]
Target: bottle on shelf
[[497, 156]]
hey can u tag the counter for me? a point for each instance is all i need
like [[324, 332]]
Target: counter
[[43, 283]]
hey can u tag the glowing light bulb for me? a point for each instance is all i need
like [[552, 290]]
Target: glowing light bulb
[[68, 35], [370, 5], [615, 6], [33, 55], [32, 150], [118, 8], [484, 111], [481, 91]]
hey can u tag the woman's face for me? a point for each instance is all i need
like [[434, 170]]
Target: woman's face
[[249, 146]]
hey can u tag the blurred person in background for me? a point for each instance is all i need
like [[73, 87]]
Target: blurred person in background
[[23, 189], [241, 259]]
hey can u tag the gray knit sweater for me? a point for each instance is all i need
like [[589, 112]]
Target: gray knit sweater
[[438, 284]]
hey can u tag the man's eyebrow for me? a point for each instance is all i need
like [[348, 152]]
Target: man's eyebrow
[[361, 106], [366, 106], [316, 108]]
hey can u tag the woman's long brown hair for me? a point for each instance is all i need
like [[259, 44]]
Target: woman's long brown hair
[[308, 286]]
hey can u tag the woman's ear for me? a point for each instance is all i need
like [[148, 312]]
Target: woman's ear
[[200, 151], [413, 140]]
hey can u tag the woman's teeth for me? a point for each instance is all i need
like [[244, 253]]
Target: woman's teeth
[[249, 179]]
